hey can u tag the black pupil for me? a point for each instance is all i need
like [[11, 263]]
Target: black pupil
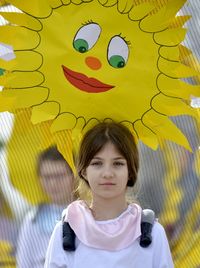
[[82, 49], [120, 64]]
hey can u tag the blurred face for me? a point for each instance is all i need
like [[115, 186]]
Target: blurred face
[[57, 181], [107, 173]]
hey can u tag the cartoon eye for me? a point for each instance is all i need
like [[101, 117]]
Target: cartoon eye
[[118, 52], [86, 37]]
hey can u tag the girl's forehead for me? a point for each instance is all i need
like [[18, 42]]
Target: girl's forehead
[[109, 149]]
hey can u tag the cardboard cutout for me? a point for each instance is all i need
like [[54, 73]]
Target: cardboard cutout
[[83, 61]]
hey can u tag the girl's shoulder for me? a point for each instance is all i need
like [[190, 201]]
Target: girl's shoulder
[[159, 237], [157, 227]]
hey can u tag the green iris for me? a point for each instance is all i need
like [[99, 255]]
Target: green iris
[[81, 45], [2, 71], [117, 61]]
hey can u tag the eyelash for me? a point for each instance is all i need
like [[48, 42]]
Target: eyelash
[[124, 38], [96, 163], [119, 164], [100, 163], [88, 22]]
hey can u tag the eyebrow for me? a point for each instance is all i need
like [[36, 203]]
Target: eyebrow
[[115, 158]]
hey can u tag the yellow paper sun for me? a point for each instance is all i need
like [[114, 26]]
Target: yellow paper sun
[[82, 61]]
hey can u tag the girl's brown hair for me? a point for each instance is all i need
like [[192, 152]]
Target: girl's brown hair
[[116, 133]]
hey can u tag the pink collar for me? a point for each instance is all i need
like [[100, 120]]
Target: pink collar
[[112, 235]]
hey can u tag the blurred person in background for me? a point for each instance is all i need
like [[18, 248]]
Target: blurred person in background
[[56, 179]]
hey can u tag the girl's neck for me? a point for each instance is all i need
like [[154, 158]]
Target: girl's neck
[[106, 210]]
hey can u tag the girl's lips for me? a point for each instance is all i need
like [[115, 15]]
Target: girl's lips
[[109, 183], [84, 83]]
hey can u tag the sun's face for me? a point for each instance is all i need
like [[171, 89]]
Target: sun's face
[[97, 64], [93, 60]]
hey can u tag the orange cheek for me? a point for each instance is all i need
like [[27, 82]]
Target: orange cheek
[[93, 63]]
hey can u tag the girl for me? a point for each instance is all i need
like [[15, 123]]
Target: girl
[[108, 229]]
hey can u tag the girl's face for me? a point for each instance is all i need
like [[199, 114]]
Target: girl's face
[[107, 173]]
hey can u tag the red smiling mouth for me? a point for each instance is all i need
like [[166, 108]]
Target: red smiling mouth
[[84, 83]]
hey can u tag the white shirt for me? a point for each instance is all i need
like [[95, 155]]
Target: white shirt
[[157, 255], [35, 234]]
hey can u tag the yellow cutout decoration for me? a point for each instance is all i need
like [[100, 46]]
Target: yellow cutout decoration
[[7, 259], [5, 209], [5, 103], [2, 3], [124, 65], [21, 62], [22, 20], [26, 142], [170, 37], [44, 112]]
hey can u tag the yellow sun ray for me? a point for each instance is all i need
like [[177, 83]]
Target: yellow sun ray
[[77, 2], [22, 98], [124, 6], [161, 20], [108, 3], [22, 80], [174, 106], [3, 2], [175, 69], [22, 19], [44, 112], [146, 135], [66, 2], [63, 119], [26, 142], [55, 3], [159, 123], [140, 11], [170, 53], [65, 146], [92, 122], [6, 104], [38, 8], [7, 65], [23, 148], [184, 52], [5, 207], [179, 21], [26, 39], [21, 63], [176, 36], [6, 258], [177, 88]]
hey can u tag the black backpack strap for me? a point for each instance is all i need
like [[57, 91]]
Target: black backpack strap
[[69, 235], [147, 221]]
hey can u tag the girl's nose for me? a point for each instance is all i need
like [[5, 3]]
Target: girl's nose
[[93, 63], [108, 174]]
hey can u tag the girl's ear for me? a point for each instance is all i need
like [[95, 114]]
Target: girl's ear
[[84, 174]]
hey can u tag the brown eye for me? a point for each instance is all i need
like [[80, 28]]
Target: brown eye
[[96, 163]]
